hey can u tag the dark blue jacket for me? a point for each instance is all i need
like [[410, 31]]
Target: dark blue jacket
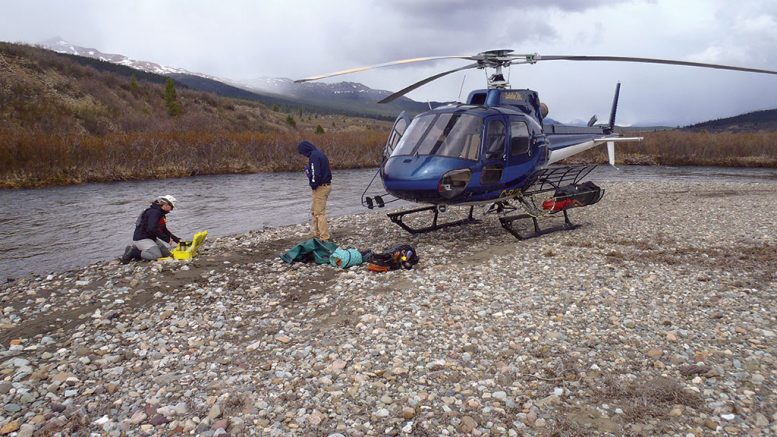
[[318, 165], [152, 224]]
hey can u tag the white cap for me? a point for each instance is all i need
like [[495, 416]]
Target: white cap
[[169, 199]]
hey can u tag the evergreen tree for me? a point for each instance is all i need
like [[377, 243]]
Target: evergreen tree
[[133, 83], [290, 121], [319, 129], [173, 108]]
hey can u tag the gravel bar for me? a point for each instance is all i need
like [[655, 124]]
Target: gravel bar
[[655, 316]]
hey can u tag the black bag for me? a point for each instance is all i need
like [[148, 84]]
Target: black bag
[[402, 256], [583, 194]]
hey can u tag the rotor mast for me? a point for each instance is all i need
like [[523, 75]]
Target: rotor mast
[[497, 80], [496, 59]]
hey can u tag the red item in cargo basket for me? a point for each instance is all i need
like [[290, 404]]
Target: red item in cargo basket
[[557, 205]]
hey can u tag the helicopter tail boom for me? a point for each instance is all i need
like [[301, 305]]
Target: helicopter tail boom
[[558, 154]]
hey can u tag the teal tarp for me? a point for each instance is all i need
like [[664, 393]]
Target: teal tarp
[[345, 258], [313, 249]]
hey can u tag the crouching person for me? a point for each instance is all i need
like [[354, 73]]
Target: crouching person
[[152, 238]]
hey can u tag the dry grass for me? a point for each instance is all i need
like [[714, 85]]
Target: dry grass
[[649, 399], [28, 160]]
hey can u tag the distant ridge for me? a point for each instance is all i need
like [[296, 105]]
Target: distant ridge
[[348, 98], [765, 120], [59, 45]]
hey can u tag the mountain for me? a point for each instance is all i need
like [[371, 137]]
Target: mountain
[[346, 92], [59, 45], [750, 122], [349, 98]]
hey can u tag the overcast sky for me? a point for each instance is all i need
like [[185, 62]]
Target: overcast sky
[[244, 39]]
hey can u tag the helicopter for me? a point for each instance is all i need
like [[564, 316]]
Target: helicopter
[[493, 149]]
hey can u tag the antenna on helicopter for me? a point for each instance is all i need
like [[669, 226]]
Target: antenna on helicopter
[[461, 88]]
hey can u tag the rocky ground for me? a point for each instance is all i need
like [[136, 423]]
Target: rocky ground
[[656, 316]]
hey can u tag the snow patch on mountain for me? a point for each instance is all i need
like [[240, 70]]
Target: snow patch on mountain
[[59, 45]]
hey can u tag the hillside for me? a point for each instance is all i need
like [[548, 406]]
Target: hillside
[[66, 119], [751, 122], [50, 93], [344, 97]]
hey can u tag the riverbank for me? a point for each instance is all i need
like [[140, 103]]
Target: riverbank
[[37, 161], [657, 315]]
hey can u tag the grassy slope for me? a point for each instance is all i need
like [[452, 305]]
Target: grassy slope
[[65, 122]]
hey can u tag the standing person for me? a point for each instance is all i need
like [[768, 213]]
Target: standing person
[[151, 236], [320, 179]]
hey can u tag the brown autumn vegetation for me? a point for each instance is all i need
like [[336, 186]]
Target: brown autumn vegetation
[[62, 122]]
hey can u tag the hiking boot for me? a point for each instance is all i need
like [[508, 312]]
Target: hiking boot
[[128, 255]]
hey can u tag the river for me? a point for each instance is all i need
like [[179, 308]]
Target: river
[[56, 229]]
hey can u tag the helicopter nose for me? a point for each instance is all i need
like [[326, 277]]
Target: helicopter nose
[[410, 173], [418, 177]]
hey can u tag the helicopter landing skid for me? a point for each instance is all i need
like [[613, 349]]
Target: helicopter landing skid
[[397, 217], [507, 223]]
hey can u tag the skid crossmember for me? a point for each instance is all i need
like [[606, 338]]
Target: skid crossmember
[[397, 217], [507, 223]]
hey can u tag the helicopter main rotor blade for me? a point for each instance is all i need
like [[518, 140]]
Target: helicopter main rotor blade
[[386, 64], [647, 61], [406, 90]]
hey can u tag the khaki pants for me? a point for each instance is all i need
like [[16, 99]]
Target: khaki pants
[[318, 225]]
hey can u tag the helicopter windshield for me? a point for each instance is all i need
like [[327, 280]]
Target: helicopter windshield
[[448, 134]]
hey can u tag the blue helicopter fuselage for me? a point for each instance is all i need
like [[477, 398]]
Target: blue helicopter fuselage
[[483, 150]]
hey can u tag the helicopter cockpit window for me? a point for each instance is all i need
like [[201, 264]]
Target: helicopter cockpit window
[[449, 134], [519, 139], [495, 139]]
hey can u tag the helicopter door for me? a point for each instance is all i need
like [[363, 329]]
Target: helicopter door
[[520, 147], [400, 125], [493, 152]]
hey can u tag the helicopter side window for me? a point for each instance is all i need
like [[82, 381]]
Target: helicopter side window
[[519, 139], [495, 140], [460, 132]]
